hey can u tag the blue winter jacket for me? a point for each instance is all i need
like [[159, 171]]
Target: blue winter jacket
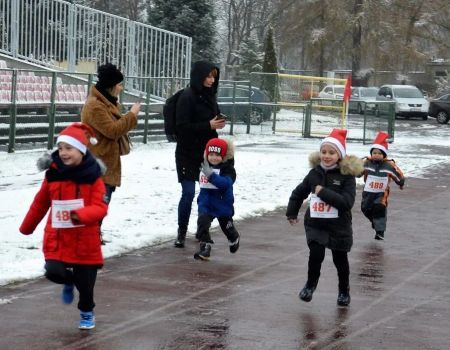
[[219, 202]]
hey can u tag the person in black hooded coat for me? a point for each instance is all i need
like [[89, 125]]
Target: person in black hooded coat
[[197, 119]]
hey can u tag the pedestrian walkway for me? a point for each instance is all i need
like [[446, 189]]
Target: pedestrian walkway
[[161, 298]]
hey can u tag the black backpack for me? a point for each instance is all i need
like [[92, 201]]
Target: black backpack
[[169, 113]]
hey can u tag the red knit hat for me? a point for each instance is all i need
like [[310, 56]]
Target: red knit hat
[[217, 146], [381, 142], [77, 135], [337, 139]]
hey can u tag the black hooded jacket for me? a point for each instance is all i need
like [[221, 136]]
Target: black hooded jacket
[[196, 106]]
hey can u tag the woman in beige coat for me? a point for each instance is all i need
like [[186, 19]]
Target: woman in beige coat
[[102, 112]]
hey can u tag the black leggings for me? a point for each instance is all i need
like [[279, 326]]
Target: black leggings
[[82, 276], [226, 224], [340, 259]]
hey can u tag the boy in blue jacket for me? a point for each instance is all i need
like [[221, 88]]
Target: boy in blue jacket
[[216, 197]]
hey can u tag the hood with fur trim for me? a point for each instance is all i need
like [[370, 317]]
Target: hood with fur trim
[[230, 151], [44, 162], [349, 165]]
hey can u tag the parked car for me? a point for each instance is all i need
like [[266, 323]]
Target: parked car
[[257, 114], [332, 91], [363, 97], [440, 109], [409, 100]]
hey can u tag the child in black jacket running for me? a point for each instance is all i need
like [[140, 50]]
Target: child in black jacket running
[[328, 219]]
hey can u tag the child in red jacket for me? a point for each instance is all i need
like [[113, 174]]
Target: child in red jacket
[[75, 193]]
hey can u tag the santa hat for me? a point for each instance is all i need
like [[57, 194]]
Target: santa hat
[[77, 135], [381, 142], [337, 139], [217, 146]]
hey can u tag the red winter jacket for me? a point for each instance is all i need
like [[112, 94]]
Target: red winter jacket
[[77, 245]]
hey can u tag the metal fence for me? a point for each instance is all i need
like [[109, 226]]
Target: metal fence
[[71, 37], [35, 105]]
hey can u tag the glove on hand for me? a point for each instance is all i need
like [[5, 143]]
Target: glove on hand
[[206, 169]]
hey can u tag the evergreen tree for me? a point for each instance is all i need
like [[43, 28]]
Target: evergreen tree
[[270, 66], [250, 59], [194, 18]]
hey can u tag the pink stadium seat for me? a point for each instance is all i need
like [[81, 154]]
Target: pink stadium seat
[[21, 86], [21, 79], [38, 79], [44, 87], [60, 88], [29, 87], [29, 95], [4, 96], [69, 96], [21, 96], [45, 79], [82, 89], [46, 96], [66, 88], [38, 96], [4, 86], [61, 96], [77, 96]]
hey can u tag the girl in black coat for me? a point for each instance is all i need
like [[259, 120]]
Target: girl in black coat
[[197, 119], [328, 219]]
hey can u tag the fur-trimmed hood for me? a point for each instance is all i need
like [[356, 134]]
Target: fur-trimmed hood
[[230, 151], [44, 162], [350, 165]]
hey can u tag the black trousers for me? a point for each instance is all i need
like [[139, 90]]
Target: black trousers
[[316, 257], [82, 276], [226, 224]]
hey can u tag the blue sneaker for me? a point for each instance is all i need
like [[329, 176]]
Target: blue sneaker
[[87, 320], [67, 294]]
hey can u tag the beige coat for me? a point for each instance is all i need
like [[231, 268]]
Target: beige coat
[[109, 125]]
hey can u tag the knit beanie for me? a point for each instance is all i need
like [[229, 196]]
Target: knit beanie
[[77, 135], [108, 75], [337, 139], [216, 145]]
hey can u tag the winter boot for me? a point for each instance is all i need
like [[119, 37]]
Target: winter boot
[[204, 253], [379, 235], [67, 294], [344, 297], [234, 246], [307, 292], [87, 320], [181, 238]]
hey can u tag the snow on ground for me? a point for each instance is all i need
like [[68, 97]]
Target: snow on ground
[[143, 210]]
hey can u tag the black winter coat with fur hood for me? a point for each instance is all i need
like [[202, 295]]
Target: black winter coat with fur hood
[[339, 190]]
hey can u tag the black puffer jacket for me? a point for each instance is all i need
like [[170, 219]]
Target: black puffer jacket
[[196, 106], [339, 191]]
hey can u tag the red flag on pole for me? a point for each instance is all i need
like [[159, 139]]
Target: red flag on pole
[[348, 88]]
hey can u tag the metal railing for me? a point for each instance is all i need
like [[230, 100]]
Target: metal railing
[[62, 35]]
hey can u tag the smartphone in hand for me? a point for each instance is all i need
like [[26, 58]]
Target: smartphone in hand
[[222, 117]]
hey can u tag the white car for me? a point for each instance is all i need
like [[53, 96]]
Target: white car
[[363, 98], [409, 100], [332, 92]]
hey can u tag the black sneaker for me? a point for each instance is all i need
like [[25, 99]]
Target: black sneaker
[[306, 293], [234, 246], [204, 253], [379, 235], [181, 238], [343, 298]]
